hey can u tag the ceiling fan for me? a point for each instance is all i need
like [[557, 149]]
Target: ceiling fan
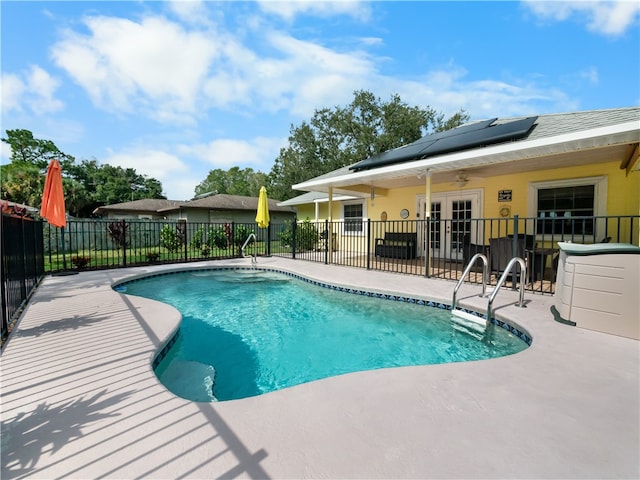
[[461, 179]]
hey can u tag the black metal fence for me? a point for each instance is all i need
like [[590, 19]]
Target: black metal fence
[[21, 264], [401, 246], [32, 248], [100, 244]]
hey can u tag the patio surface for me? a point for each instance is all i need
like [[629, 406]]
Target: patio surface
[[80, 399]]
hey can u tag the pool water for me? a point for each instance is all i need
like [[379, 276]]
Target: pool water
[[249, 332]]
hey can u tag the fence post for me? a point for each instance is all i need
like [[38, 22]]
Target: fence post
[[233, 239], [269, 240], [124, 243], [427, 245], [294, 235], [327, 242], [368, 244], [516, 253]]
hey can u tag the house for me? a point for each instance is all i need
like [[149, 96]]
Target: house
[[220, 208], [145, 209], [541, 167]]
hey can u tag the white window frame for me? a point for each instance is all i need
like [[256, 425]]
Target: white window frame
[[600, 188], [363, 203]]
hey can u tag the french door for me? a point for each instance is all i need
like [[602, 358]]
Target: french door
[[451, 215]]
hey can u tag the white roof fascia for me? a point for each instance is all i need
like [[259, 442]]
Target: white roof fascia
[[628, 132], [338, 198]]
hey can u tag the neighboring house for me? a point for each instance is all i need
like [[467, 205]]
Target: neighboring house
[[568, 164], [146, 209], [219, 208]]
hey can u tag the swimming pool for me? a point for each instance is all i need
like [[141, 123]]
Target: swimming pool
[[246, 332]]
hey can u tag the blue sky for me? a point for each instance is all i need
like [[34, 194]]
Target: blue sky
[[176, 89]]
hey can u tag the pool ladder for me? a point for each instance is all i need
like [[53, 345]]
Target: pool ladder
[[472, 322], [254, 257]]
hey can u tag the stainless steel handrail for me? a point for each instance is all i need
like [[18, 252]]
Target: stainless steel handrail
[[485, 268], [507, 271], [254, 258]]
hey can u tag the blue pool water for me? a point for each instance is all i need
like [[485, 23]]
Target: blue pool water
[[248, 332]]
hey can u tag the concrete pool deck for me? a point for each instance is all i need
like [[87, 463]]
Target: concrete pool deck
[[80, 399]]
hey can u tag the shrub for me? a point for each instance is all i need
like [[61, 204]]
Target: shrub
[[170, 238], [119, 231], [215, 237], [218, 237], [80, 261], [241, 234], [306, 236], [152, 256]]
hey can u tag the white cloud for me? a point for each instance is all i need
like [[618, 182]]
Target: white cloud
[[605, 17], [34, 90], [591, 75], [155, 64], [170, 170], [5, 153], [42, 87], [192, 11], [288, 10], [448, 90], [257, 153], [13, 88]]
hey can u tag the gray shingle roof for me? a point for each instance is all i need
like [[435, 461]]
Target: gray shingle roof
[[554, 124], [233, 202], [144, 205], [546, 126]]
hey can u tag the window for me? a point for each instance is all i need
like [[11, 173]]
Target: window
[[567, 207], [353, 215]]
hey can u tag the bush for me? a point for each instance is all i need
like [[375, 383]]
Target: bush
[[171, 239], [215, 237], [152, 256], [241, 234], [306, 236], [119, 232], [80, 261], [218, 237], [286, 235]]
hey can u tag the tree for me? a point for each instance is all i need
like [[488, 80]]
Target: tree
[[340, 136], [234, 181], [86, 185]]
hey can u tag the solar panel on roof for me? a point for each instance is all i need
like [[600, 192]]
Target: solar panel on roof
[[456, 139]]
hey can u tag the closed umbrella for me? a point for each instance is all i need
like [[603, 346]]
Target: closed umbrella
[[262, 217], [53, 201]]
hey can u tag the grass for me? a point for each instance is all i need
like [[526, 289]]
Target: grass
[[110, 258]]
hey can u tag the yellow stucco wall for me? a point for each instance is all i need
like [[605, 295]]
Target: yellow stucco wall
[[623, 197]]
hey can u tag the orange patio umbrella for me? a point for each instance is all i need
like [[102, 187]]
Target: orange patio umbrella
[[53, 202], [53, 196]]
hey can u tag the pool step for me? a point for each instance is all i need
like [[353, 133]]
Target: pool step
[[468, 323]]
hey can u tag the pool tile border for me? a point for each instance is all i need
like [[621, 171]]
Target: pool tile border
[[121, 288]]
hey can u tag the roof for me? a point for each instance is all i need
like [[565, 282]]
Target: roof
[[223, 201], [573, 138], [312, 197], [147, 205], [214, 202], [475, 134]]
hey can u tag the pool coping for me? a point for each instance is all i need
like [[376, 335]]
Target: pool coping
[[565, 407]]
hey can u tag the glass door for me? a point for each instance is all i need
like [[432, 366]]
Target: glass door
[[451, 215]]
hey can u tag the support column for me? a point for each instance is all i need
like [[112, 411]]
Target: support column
[[330, 229], [427, 223]]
